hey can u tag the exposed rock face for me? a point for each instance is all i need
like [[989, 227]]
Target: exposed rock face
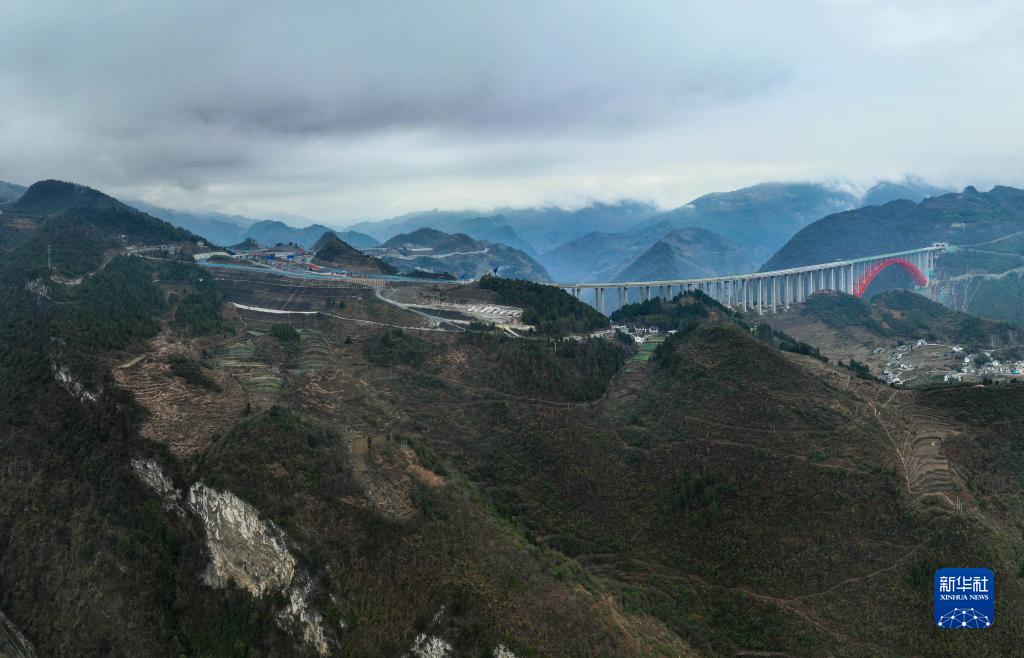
[[12, 643], [430, 646], [245, 550], [501, 651], [149, 472], [252, 553], [72, 385]]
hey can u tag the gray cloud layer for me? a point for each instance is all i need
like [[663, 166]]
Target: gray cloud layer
[[357, 109]]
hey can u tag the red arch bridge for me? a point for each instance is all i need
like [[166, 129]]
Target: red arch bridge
[[768, 291]]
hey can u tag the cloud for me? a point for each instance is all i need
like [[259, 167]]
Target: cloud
[[347, 110]]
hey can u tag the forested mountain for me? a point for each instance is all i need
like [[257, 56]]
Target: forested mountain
[[76, 226], [183, 477], [967, 218], [687, 253], [981, 275], [10, 192], [757, 219]]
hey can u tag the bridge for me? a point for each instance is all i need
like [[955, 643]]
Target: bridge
[[762, 292]]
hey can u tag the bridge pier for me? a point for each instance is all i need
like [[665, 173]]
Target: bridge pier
[[776, 290]]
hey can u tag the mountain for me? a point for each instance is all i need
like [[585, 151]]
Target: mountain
[[757, 219], [216, 228], [247, 244], [10, 192], [685, 254], [219, 228], [541, 228], [909, 189], [183, 477], [968, 218], [75, 227], [982, 275], [270, 231], [457, 253], [275, 232], [332, 251], [495, 229]]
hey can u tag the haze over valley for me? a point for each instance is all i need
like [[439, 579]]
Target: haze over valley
[[511, 330]]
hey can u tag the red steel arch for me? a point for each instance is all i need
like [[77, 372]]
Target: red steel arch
[[865, 280]]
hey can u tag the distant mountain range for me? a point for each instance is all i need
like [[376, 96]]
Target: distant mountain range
[[435, 251], [687, 253], [222, 229], [541, 228], [10, 192], [601, 241], [756, 219]]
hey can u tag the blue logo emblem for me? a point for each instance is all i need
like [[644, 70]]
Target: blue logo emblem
[[964, 598]]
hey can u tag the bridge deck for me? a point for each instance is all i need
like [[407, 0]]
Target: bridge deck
[[752, 275]]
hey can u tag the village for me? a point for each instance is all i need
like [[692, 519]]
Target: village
[[923, 362]]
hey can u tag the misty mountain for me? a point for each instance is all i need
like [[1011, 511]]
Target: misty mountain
[[10, 192], [970, 217], [685, 254], [909, 189], [216, 228], [981, 275], [758, 219], [465, 257], [222, 229], [540, 228], [495, 229], [272, 232]]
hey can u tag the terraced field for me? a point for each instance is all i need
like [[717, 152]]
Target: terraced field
[[646, 352], [287, 293]]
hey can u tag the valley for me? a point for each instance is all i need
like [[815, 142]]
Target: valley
[[511, 330], [338, 471]]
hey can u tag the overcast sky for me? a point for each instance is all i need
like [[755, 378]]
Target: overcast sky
[[354, 110]]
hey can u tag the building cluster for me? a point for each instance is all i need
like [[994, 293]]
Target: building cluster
[[896, 368], [984, 366], [279, 256], [640, 335]]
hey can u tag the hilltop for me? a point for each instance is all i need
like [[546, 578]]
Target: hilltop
[[80, 227], [687, 253], [436, 251], [332, 251]]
